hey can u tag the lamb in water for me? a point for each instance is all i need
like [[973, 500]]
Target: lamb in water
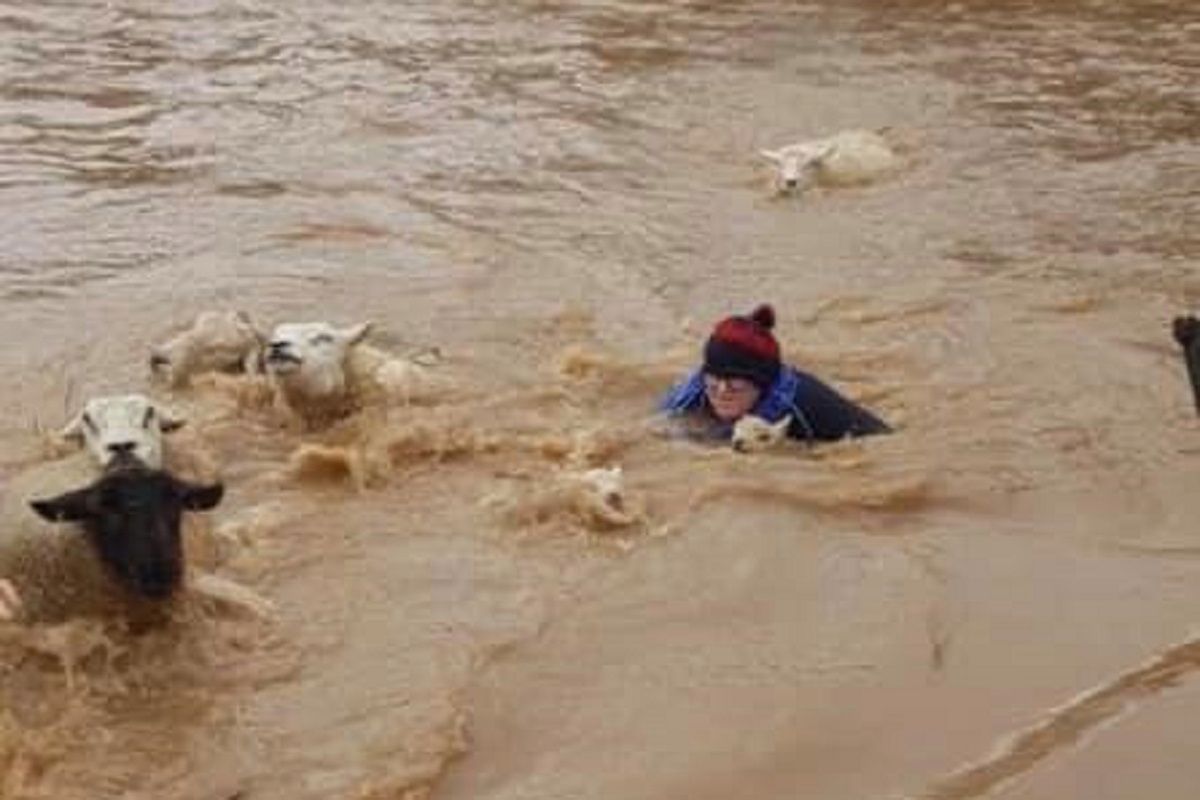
[[753, 434], [323, 373], [846, 158], [595, 498], [217, 341]]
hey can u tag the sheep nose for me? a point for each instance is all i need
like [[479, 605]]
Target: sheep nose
[[158, 360], [121, 448], [739, 446], [790, 183], [277, 347]]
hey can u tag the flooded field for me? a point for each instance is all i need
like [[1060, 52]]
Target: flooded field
[[560, 199]]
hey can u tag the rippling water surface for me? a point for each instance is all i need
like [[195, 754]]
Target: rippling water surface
[[562, 197]]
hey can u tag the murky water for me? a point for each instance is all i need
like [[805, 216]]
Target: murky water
[[1000, 599]]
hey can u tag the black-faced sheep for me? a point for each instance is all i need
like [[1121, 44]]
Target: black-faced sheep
[[118, 538]]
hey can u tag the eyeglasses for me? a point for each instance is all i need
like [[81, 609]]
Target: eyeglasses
[[728, 385]]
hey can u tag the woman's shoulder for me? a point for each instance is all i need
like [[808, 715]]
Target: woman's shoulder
[[685, 394]]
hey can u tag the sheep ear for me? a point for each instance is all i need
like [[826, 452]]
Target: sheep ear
[[169, 421], [356, 333], [1185, 329], [771, 155], [200, 498], [73, 431], [783, 424], [825, 154], [68, 507], [244, 318], [252, 362]]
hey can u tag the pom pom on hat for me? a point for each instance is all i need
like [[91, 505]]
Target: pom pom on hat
[[764, 315], [744, 347]]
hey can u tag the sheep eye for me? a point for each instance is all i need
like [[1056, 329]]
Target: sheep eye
[[322, 338], [148, 417], [91, 423]]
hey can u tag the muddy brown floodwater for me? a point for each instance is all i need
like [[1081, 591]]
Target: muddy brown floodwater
[[1001, 600]]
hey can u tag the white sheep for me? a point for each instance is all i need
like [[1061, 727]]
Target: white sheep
[[846, 158], [115, 425], [323, 373], [753, 434], [216, 341]]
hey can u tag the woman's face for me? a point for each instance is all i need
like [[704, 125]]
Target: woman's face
[[730, 398]]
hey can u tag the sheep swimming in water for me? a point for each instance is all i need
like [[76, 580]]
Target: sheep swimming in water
[[120, 540], [846, 158], [324, 373], [216, 341]]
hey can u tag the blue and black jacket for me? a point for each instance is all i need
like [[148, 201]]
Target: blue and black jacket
[[819, 412]]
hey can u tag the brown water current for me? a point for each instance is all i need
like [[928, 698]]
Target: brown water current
[[1000, 600]]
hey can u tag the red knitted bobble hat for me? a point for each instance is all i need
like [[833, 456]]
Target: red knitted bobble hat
[[744, 347]]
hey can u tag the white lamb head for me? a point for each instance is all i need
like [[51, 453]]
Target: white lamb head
[[753, 434], [217, 341], [310, 356], [123, 426], [797, 166], [606, 484]]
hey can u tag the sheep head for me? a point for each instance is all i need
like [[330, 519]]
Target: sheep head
[[123, 425], [606, 484], [798, 166], [753, 434], [309, 357], [132, 517]]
